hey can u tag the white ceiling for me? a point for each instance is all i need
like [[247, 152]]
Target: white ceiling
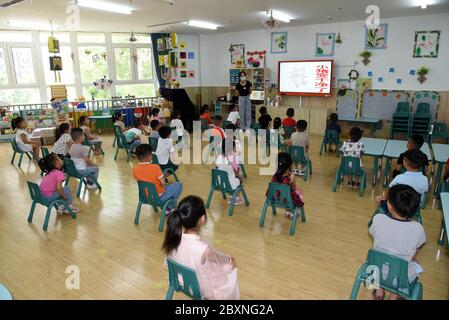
[[232, 15]]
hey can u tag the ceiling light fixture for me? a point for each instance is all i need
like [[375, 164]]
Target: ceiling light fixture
[[105, 6], [280, 16], [202, 24], [31, 25], [424, 4]]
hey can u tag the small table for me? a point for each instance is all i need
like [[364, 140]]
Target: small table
[[104, 117], [393, 150], [444, 197], [441, 154], [374, 148], [367, 121]]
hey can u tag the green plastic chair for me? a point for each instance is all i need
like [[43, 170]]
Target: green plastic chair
[[148, 195], [16, 149], [380, 210], [225, 124], [5, 294], [288, 131], [71, 171], [220, 182], [122, 144], [279, 196], [170, 171], [242, 167], [91, 147], [393, 276], [403, 107], [190, 285], [204, 124], [117, 131], [256, 127], [214, 145], [153, 143], [331, 137], [298, 156], [45, 153], [440, 132], [37, 197], [350, 166]]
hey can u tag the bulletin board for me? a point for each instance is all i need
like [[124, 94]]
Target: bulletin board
[[382, 103], [430, 97], [347, 104]]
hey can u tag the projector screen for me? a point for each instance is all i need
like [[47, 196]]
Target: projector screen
[[306, 78]]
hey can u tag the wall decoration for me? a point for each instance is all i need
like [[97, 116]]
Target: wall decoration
[[237, 53], [366, 55], [168, 44], [183, 74], [412, 72], [53, 45], [325, 44], [183, 55], [95, 58], [161, 60], [427, 44], [173, 60], [256, 59], [183, 64], [55, 63], [376, 38], [191, 55], [174, 40], [191, 74], [399, 81], [380, 79], [279, 42], [103, 83], [166, 64], [343, 84], [370, 74], [161, 44], [353, 74], [182, 45], [422, 72], [391, 70]]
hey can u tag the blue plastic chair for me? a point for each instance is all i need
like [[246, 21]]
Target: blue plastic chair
[[122, 144], [45, 152], [288, 131], [220, 182], [91, 146], [5, 294], [16, 149], [331, 137], [117, 131], [71, 171], [380, 210], [153, 143], [170, 171], [392, 274], [440, 132], [148, 195], [279, 196], [190, 285], [299, 157], [350, 166], [37, 197]]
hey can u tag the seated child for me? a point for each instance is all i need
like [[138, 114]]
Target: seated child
[[155, 115], [300, 138], [236, 136], [234, 116], [133, 135], [180, 131], [393, 236], [264, 119], [51, 185], [354, 148], [216, 272], [64, 141], [118, 121], [81, 158], [333, 125], [155, 125], [414, 142], [147, 172], [165, 150], [229, 161], [91, 138], [23, 138], [204, 114], [217, 130], [289, 121], [284, 175], [277, 125]]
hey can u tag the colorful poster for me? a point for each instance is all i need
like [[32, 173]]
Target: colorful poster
[[183, 64], [191, 74], [183, 55], [182, 45], [183, 74], [376, 38], [427, 44], [161, 44], [191, 55], [325, 44], [279, 42], [161, 60], [237, 53]]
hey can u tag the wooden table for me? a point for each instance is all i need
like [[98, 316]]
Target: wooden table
[[374, 148], [441, 154]]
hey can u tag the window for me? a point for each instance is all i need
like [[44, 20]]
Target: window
[[63, 37], [20, 96], [124, 38], [144, 64], [138, 90], [92, 93], [123, 64], [3, 72], [93, 63], [23, 65], [84, 37], [15, 36], [67, 75]]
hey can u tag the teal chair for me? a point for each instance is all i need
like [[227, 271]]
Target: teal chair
[[91, 147], [16, 149], [331, 137], [220, 182], [225, 124], [148, 195], [242, 167], [71, 171], [170, 171], [204, 124], [288, 131], [122, 144], [392, 273], [274, 140], [350, 167], [5, 294], [256, 127], [153, 143], [213, 146], [279, 196], [45, 152], [380, 210], [299, 157], [37, 197], [117, 131], [440, 132], [190, 285]]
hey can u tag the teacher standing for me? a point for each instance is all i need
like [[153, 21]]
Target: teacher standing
[[244, 89]]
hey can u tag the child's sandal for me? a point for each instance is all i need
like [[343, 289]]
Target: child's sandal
[[376, 297]]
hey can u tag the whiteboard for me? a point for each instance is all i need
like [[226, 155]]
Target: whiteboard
[[306, 77], [382, 104], [347, 105]]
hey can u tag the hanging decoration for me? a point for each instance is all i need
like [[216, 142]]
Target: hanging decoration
[[256, 59], [55, 61], [353, 74], [95, 58], [366, 55], [103, 83], [132, 38], [422, 72]]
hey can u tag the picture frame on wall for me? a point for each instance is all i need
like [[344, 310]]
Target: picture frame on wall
[[279, 42], [325, 44], [427, 44], [376, 38], [237, 53]]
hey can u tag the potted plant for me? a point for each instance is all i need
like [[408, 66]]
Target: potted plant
[[93, 92], [422, 72], [366, 55]]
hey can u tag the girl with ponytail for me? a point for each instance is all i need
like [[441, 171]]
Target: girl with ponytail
[[216, 272], [117, 118], [23, 138]]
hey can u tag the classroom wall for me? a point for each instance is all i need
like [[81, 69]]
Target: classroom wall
[[215, 57], [192, 45]]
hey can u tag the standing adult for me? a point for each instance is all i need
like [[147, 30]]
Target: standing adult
[[244, 89]]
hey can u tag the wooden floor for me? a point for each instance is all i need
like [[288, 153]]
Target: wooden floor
[[119, 260]]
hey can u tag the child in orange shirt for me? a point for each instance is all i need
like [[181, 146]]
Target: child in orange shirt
[[204, 114]]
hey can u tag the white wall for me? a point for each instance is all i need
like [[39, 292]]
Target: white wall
[[215, 57], [192, 45]]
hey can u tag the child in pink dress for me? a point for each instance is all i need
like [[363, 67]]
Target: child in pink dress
[[216, 272]]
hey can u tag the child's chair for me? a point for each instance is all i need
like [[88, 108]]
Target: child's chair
[[288, 131], [220, 182], [45, 153], [279, 195], [122, 144], [440, 132], [274, 140], [170, 171], [117, 132], [350, 167], [256, 128], [214, 145], [380, 210], [204, 125], [5, 294], [390, 272], [189, 284], [71, 171], [298, 156], [153, 143], [16, 149], [148, 195], [37, 197], [225, 124], [331, 137], [91, 146]]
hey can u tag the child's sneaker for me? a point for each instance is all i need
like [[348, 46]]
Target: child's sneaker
[[356, 185], [289, 214], [74, 209], [62, 210], [350, 184], [296, 172], [301, 172], [91, 186]]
